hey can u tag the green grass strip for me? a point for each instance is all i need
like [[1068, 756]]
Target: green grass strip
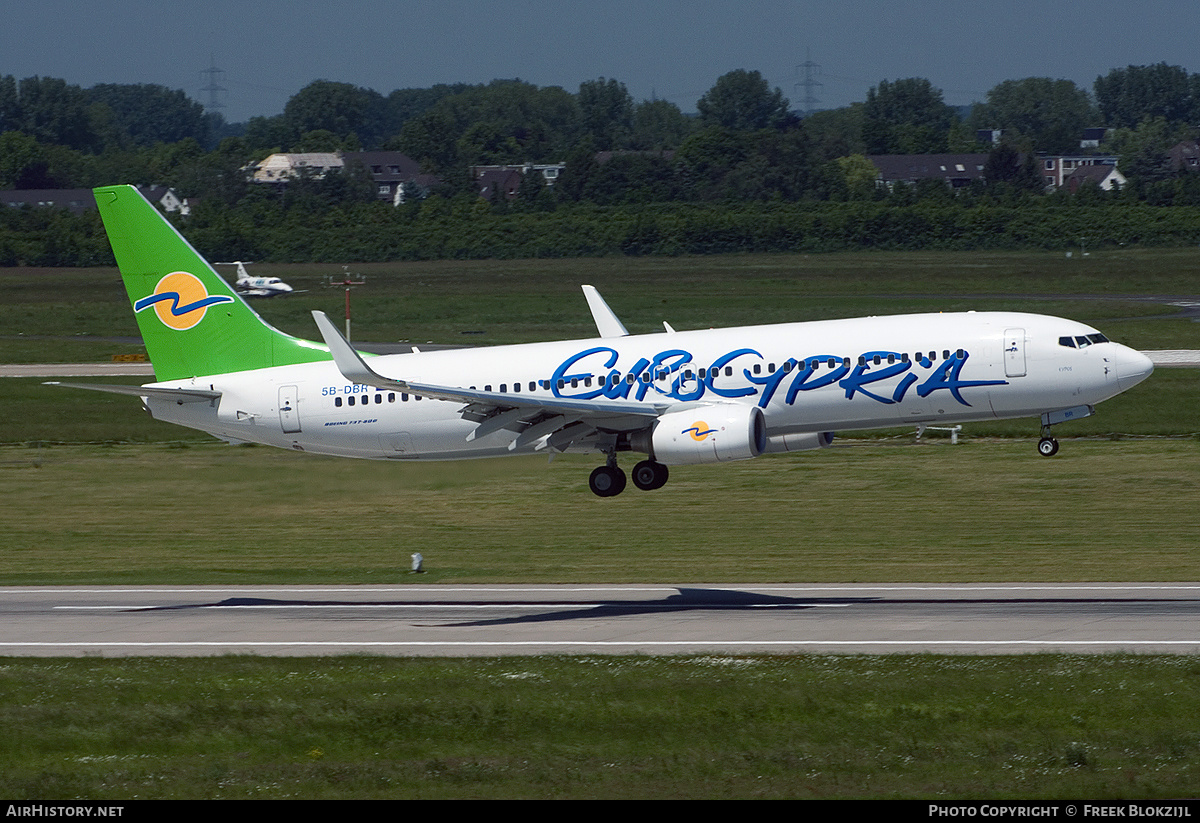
[[1044, 726]]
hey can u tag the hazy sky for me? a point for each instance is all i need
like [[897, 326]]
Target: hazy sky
[[672, 49]]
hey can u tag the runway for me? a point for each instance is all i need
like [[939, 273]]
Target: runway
[[451, 621]]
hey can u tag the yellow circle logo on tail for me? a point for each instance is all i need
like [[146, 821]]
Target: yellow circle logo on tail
[[180, 300]]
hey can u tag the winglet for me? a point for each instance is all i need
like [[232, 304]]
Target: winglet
[[354, 369], [607, 323], [348, 361]]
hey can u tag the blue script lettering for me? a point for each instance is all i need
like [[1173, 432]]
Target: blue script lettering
[[810, 367], [863, 374], [946, 377], [808, 374]]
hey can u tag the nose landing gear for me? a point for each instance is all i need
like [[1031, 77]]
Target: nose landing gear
[[1048, 446]]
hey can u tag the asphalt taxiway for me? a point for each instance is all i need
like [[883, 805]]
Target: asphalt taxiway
[[459, 620]]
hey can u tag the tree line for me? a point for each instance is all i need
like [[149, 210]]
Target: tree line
[[744, 152]]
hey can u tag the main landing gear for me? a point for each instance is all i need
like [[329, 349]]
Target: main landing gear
[[608, 480], [649, 475]]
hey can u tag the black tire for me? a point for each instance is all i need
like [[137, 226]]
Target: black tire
[[649, 475], [1047, 447], [606, 482]]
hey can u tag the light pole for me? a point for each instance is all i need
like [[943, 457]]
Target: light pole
[[347, 282]]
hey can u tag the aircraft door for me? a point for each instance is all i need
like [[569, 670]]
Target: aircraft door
[[289, 415], [1014, 352]]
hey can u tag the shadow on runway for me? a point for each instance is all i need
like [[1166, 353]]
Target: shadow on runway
[[699, 600], [686, 600]]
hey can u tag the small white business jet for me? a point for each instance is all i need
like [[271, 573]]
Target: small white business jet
[[677, 397], [248, 286]]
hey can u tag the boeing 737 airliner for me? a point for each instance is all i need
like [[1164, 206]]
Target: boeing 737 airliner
[[677, 397]]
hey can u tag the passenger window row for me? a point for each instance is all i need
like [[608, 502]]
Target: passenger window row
[[365, 399], [702, 373]]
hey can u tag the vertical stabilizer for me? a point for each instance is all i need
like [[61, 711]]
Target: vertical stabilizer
[[192, 321]]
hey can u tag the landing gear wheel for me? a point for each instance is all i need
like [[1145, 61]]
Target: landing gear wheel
[[649, 475], [1047, 447], [607, 481]]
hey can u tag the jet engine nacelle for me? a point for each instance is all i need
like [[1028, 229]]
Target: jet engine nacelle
[[709, 434], [798, 442]]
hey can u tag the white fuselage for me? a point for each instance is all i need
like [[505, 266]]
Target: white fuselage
[[824, 376]]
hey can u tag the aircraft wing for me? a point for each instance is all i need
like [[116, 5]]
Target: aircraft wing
[[558, 421], [178, 395]]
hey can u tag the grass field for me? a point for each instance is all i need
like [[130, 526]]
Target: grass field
[[1045, 726], [491, 302], [983, 510]]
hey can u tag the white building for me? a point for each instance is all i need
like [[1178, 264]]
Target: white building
[[286, 165]]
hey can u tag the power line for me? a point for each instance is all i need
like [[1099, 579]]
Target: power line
[[215, 76], [810, 83]]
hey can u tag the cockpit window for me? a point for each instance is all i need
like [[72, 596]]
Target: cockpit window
[[1082, 341]]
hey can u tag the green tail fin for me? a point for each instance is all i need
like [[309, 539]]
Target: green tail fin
[[192, 321]]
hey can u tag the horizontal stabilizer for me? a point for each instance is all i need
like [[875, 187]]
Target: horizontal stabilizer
[[178, 395]]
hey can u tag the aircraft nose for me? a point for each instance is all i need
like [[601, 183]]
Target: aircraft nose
[[1132, 366]]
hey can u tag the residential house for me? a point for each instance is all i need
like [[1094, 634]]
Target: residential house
[[1185, 156], [493, 183], [1056, 169], [1091, 138], [391, 171], [1106, 177], [78, 201], [956, 170], [493, 178], [279, 168]]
